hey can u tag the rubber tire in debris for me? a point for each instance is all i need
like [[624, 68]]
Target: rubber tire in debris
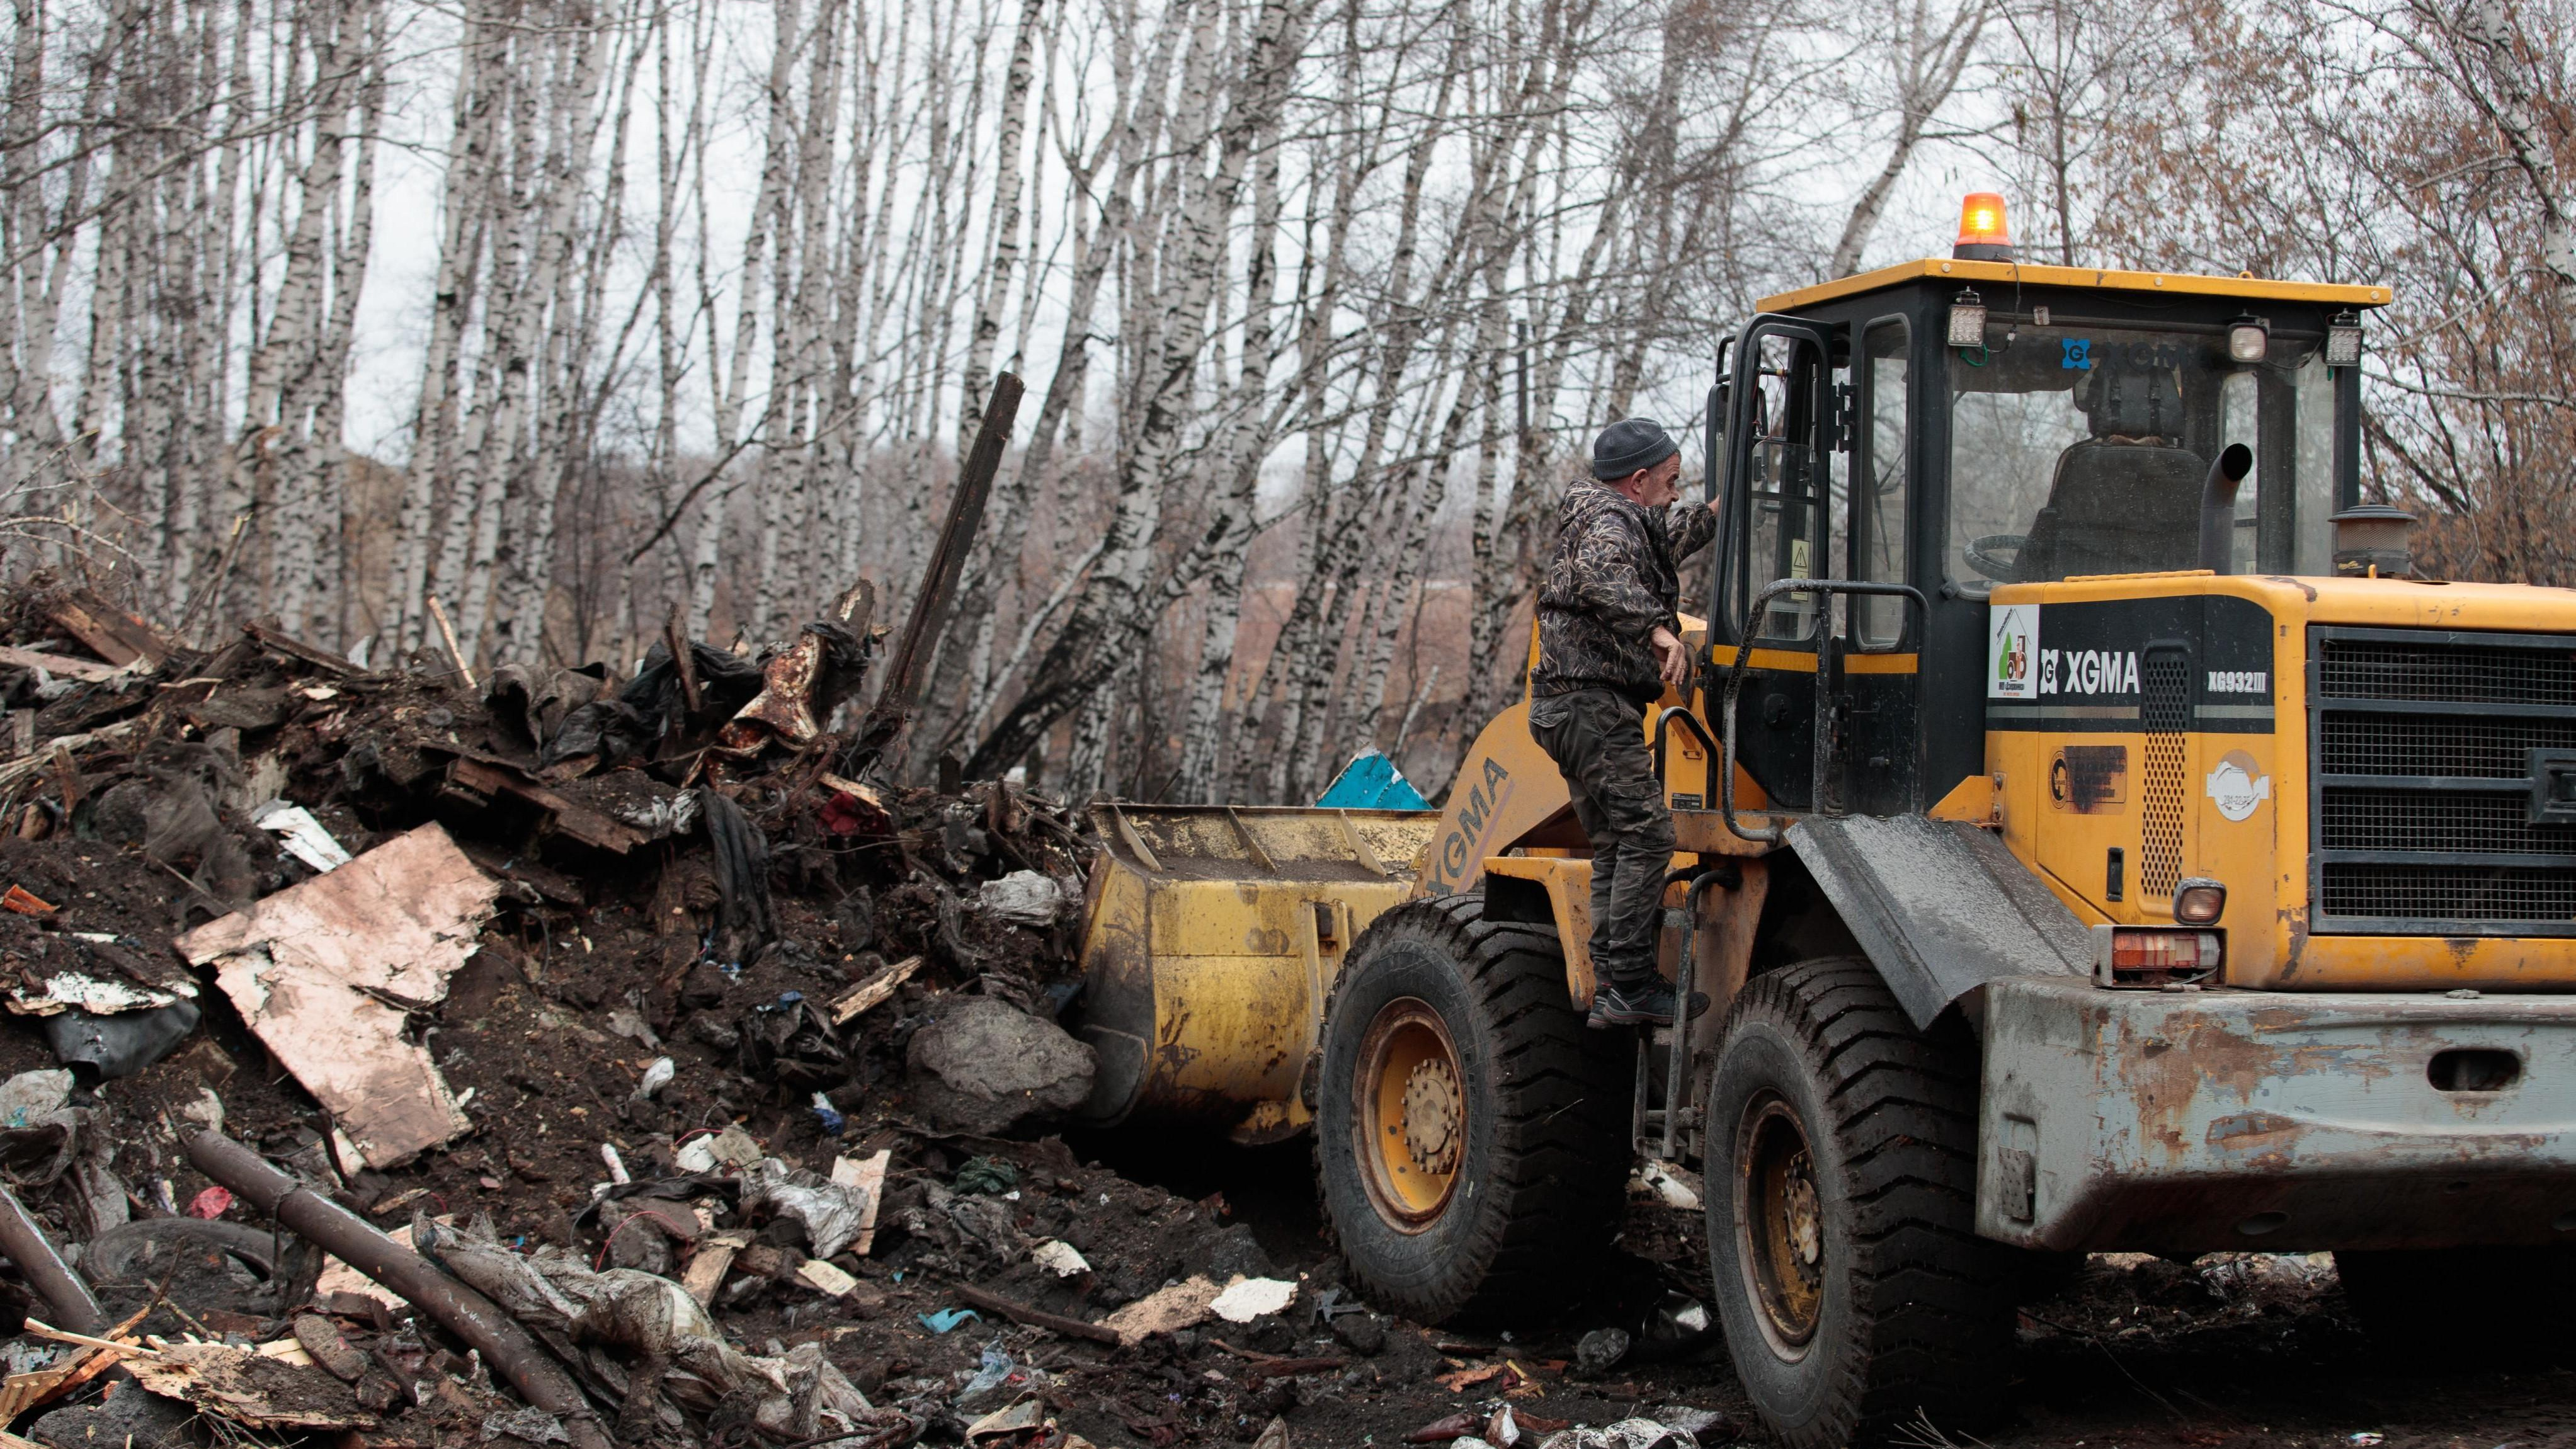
[[1544, 1173], [2456, 1305], [1914, 1311]]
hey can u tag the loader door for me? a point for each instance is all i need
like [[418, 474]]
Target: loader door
[[1817, 440], [1776, 439]]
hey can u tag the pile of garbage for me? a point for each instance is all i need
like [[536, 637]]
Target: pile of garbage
[[557, 1057]]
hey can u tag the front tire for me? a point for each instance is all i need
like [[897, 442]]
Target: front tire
[[1841, 1173], [1470, 1135]]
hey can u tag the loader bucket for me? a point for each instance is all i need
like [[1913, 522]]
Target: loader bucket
[[1213, 935]]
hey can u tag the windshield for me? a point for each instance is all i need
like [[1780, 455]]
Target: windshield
[[2082, 450]]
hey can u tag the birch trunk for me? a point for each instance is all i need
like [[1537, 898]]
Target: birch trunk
[[1005, 261], [1106, 624]]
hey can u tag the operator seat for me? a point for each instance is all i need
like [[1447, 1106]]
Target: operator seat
[[2127, 499]]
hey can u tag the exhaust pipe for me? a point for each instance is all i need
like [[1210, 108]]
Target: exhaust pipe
[[2218, 506]]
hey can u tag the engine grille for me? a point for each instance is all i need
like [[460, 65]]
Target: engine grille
[[2423, 744], [2450, 892], [2493, 824], [2165, 802], [2447, 673], [2498, 749]]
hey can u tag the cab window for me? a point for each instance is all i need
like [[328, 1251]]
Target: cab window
[[1787, 490], [2083, 450], [1878, 532]]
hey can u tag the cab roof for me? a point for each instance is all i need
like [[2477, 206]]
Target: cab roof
[[2030, 275]]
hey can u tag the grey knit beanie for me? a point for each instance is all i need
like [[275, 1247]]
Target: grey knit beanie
[[1628, 445]]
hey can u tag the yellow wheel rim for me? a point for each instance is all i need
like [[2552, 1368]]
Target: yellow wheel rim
[[1409, 1114], [1779, 1223]]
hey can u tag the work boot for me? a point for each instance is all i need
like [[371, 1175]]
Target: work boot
[[1645, 1003]]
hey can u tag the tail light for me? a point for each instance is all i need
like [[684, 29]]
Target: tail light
[[2147, 958]]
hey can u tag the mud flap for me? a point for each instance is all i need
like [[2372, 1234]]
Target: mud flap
[[1940, 907]]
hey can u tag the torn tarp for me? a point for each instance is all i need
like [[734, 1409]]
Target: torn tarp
[[326, 971], [831, 1213], [611, 731]]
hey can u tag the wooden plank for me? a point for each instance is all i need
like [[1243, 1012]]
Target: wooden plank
[[113, 634], [87, 670], [868, 1176], [578, 821], [874, 990], [294, 648], [709, 1264]]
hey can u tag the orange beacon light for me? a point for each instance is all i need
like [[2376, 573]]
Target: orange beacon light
[[1983, 235]]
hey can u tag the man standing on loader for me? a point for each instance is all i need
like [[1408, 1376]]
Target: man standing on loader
[[1609, 640]]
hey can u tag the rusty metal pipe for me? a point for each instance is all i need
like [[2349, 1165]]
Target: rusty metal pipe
[[74, 1306], [462, 1311]]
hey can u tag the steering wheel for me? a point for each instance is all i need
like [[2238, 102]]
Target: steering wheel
[[2001, 570]]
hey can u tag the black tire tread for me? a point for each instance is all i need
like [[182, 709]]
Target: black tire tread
[[1931, 1317], [1560, 1155]]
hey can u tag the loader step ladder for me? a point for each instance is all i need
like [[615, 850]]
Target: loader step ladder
[[1657, 1131]]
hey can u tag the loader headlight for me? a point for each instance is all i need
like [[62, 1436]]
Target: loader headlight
[[1968, 319], [2343, 340], [2248, 339], [2199, 901], [2145, 958]]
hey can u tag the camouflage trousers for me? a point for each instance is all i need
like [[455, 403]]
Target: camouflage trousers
[[1598, 740]]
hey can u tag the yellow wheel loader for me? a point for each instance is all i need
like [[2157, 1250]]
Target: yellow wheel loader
[[2092, 834]]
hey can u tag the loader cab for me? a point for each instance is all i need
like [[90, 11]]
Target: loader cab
[[1952, 425]]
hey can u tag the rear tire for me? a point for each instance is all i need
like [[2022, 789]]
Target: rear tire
[[1471, 1137], [1841, 1198]]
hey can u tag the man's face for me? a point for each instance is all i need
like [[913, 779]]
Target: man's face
[[1658, 486]]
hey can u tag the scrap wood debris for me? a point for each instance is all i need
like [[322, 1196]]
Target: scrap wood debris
[[624, 1003]]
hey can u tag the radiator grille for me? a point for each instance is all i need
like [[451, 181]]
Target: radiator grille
[[2466, 673], [2496, 749], [2409, 851], [2165, 711], [2496, 896], [2492, 824]]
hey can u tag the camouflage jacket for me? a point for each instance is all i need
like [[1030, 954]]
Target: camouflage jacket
[[1611, 583]]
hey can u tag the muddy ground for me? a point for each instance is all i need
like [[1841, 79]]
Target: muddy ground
[[2238, 1351]]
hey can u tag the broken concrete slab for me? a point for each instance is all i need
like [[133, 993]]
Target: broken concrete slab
[[1246, 1299], [325, 971], [1179, 1306], [985, 1066], [1023, 898]]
